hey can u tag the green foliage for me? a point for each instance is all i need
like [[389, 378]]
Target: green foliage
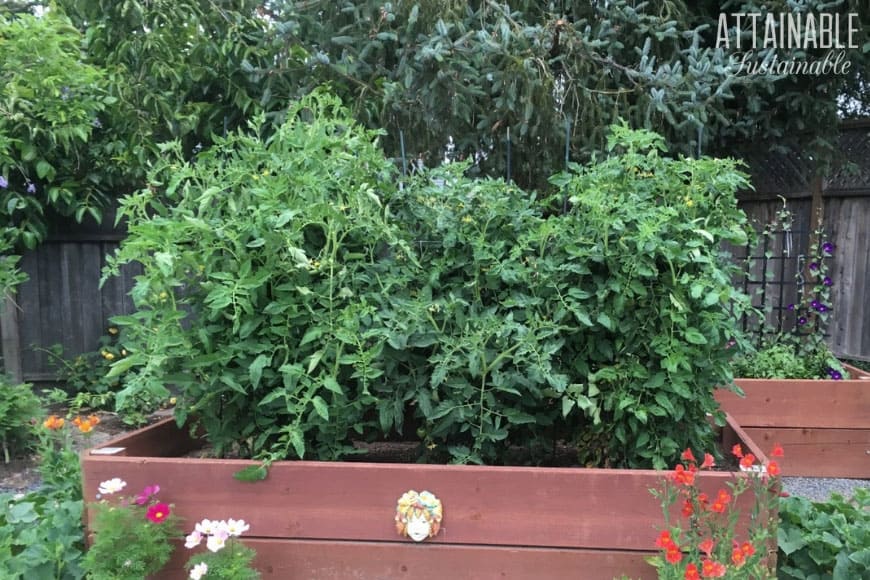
[[41, 536], [297, 299], [51, 100], [473, 70], [42, 533], [232, 562], [86, 378], [10, 275], [178, 69], [782, 360], [825, 540], [639, 266], [127, 544], [274, 246], [20, 410]]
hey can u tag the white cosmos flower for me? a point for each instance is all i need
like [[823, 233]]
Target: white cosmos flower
[[217, 541], [237, 527], [198, 571], [111, 486], [192, 540], [205, 527]]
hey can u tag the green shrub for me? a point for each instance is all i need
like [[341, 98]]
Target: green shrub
[[824, 540], [298, 300], [20, 410]]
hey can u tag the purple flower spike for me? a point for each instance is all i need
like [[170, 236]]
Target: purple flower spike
[[836, 375], [821, 308], [814, 266], [802, 320], [827, 281], [791, 306], [815, 304], [828, 248], [3, 182]]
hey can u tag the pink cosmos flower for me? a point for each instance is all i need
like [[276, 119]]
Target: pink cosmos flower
[[158, 512]]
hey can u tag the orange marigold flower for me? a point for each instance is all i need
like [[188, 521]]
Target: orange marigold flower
[[773, 468], [707, 546], [747, 548], [712, 569], [777, 451], [738, 557], [692, 573], [53, 422], [708, 461], [747, 460], [688, 456], [85, 426], [93, 420], [737, 451], [673, 554]]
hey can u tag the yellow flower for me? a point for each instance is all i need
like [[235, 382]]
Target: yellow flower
[[123, 352], [109, 356], [163, 295], [113, 330], [172, 400]]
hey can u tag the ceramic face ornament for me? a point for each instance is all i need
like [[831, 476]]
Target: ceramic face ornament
[[418, 515]]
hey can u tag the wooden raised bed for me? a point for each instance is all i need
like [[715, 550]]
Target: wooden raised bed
[[824, 425], [334, 520]]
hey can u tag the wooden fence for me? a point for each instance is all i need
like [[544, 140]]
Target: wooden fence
[[62, 302], [840, 205]]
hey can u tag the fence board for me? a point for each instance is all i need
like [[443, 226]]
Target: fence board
[[62, 302], [850, 331]]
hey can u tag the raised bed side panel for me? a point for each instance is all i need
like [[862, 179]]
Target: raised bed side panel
[[507, 506], [815, 452], [332, 560], [799, 403]]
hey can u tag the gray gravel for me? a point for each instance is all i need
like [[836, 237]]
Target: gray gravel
[[820, 488]]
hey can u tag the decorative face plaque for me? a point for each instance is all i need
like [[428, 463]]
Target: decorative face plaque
[[418, 515]]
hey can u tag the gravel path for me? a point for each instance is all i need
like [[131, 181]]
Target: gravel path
[[820, 488]]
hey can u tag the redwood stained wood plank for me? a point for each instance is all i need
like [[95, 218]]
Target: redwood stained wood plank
[[331, 560], [510, 506], [799, 403], [820, 452]]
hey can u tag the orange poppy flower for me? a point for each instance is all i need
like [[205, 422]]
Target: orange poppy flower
[[53, 422]]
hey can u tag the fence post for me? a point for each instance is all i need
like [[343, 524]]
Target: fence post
[[11, 339]]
